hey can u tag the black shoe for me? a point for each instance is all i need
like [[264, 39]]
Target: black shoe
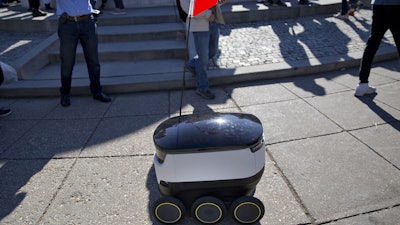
[[102, 97], [37, 13], [65, 100], [5, 112]]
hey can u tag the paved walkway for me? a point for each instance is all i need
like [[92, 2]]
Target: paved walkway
[[332, 158]]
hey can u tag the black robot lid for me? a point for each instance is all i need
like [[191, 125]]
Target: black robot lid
[[202, 132]]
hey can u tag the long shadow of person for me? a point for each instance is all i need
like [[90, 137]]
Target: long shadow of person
[[369, 101], [305, 42]]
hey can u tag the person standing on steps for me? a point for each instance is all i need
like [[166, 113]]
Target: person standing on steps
[[205, 28], [76, 24], [385, 16]]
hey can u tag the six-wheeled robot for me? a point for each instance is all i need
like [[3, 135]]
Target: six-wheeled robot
[[209, 165]]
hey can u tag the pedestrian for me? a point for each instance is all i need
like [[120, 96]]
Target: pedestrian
[[119, 7], [34, 6], [385, 16], [343, 14], [77, 24], [4, 112], [205, 28]]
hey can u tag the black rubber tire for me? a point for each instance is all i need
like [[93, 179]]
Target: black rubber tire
[[208, 210], [247, 210], [168, 210]]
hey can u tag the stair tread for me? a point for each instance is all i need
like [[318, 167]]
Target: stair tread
[[140, 28], [135, 46]]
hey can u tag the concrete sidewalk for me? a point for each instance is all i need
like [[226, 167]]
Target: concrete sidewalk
[[332, 158]]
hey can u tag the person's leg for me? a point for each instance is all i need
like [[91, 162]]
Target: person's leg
[[119, 4], [34, 4], [201, 40], [103, 4], [93, 3], [393, 13], [378, 28], [345, 7], [89, 41], [68, 36], [214, 39]]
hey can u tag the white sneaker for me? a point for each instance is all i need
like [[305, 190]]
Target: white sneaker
[[364, 89], [341, 16]]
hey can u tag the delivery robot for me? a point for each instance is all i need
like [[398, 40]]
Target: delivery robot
[[208, 165]]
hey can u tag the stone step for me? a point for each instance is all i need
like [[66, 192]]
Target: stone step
[[144, 50], [136, 50], [124, 33], [116, 77]]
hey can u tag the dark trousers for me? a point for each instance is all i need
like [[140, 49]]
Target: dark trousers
[[345, 7], [70, 34], [384, 17], [34, 4]]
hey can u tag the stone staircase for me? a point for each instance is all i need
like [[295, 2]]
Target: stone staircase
[[143, 50]]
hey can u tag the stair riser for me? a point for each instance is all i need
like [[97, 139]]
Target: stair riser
[[129, 56], [137, 20], [168, 35]]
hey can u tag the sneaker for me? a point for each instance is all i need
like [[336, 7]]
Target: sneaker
[[118, 12], [207, 94], [341, 16], [37, 13], [190, 69], [4, 112], [364, 89], [351, 13]]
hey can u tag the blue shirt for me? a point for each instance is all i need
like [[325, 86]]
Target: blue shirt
[[74, 7], [385, 2]]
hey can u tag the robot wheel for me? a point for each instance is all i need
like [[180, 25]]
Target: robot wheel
[[247, 210], [208, 210], [168, 210]]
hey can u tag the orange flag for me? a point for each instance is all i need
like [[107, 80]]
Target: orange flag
[[200, 6]]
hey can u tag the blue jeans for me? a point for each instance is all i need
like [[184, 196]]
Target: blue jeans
[[70, 33], [206, 44]]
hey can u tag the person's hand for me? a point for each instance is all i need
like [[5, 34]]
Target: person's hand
[[211, 18]]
